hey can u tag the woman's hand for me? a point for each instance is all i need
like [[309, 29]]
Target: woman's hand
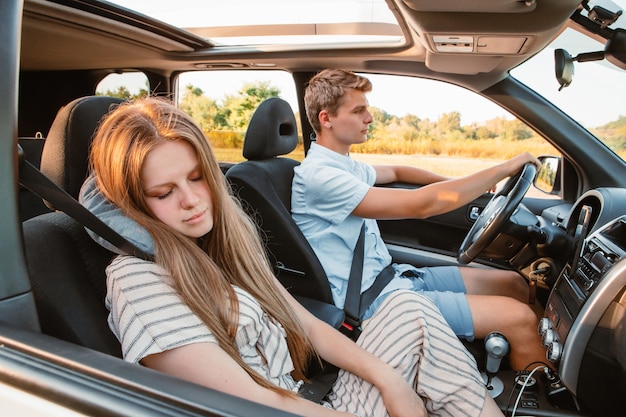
[[400, 398]]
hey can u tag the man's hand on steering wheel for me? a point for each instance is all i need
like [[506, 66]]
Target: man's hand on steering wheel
[[514, 165], [500, 208]]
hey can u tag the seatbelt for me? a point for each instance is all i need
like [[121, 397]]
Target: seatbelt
[[381, 281], [352, 305], [38, 183], [356, 303]]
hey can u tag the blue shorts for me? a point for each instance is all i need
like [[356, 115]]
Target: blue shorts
[[443, 285]]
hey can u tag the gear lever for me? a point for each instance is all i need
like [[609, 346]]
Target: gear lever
[[496, 346]]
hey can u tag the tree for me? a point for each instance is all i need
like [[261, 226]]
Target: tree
[[240, 107], [412, 120], [449, 122], [206, 113], [482, 132], [123, 93], [516, 130]]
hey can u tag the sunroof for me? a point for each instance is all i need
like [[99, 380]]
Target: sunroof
[[278, 22]]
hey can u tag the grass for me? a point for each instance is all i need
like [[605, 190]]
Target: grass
[[455, 160]]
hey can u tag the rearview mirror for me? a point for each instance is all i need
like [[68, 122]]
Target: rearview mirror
[[563, 67], [614, 52]]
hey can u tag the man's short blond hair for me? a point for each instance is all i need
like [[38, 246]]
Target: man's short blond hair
[[326, 89]]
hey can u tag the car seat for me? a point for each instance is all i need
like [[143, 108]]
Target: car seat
[[263, 183], [65, 265]]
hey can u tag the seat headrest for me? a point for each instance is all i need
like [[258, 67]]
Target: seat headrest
[[66, 152], [272, 131]]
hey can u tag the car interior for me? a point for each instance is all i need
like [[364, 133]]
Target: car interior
[[53, 321]]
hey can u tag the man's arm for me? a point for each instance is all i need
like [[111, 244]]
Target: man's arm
[[439, 197], [386, 174]]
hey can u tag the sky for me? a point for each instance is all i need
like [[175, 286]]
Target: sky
[[395, 95]]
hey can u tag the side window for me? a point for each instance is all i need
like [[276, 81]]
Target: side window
[[442, 128], [222, 103], [126, 85]]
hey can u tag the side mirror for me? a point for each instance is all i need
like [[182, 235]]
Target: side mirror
[[548, 178]]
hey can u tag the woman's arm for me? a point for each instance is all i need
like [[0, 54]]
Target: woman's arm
[[399, 398], [207, 364]]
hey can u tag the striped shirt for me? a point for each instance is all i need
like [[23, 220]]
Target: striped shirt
[[147, 316], [407, 331]]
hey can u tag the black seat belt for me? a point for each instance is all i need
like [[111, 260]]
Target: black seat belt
[[356, 303], [38, 183], [352, 305]]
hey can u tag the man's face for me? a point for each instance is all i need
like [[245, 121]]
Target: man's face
[[351, 123]]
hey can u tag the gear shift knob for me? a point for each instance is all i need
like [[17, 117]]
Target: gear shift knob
[[496, 346]]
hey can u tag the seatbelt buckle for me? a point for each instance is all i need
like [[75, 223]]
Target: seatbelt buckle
[[351, 328]]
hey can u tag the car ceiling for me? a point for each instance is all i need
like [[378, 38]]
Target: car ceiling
[[76, 35]]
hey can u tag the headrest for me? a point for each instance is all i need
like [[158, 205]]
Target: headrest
[[66, 152], [272, 131]]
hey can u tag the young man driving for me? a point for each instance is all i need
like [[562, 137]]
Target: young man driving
[[333, 195]]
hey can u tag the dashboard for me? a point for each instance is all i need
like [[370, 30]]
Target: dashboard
[[584, 326]]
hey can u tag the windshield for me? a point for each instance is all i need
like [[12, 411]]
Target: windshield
[[595, 97]]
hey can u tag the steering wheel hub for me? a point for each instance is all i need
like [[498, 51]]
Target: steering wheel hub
[[496, 214]]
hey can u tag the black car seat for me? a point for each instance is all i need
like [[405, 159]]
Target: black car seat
[[65, 265], [263, 183]]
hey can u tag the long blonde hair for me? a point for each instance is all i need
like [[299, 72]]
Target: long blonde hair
[[235, 252]]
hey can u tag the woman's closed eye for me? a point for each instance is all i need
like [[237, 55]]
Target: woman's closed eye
[[164, 195], [196, 174], [159, 194]]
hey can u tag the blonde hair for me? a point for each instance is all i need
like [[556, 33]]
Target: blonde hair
[[326, 89], [235, 252]]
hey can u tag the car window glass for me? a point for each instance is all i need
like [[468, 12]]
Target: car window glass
[[222, 103], [441, 127], [126, 85]]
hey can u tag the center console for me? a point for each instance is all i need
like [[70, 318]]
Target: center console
[[582, 315]]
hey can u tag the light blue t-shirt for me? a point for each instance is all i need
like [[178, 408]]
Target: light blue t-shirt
[[327, 187]]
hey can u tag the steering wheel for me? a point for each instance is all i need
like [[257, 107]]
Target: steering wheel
[[496, 213]]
